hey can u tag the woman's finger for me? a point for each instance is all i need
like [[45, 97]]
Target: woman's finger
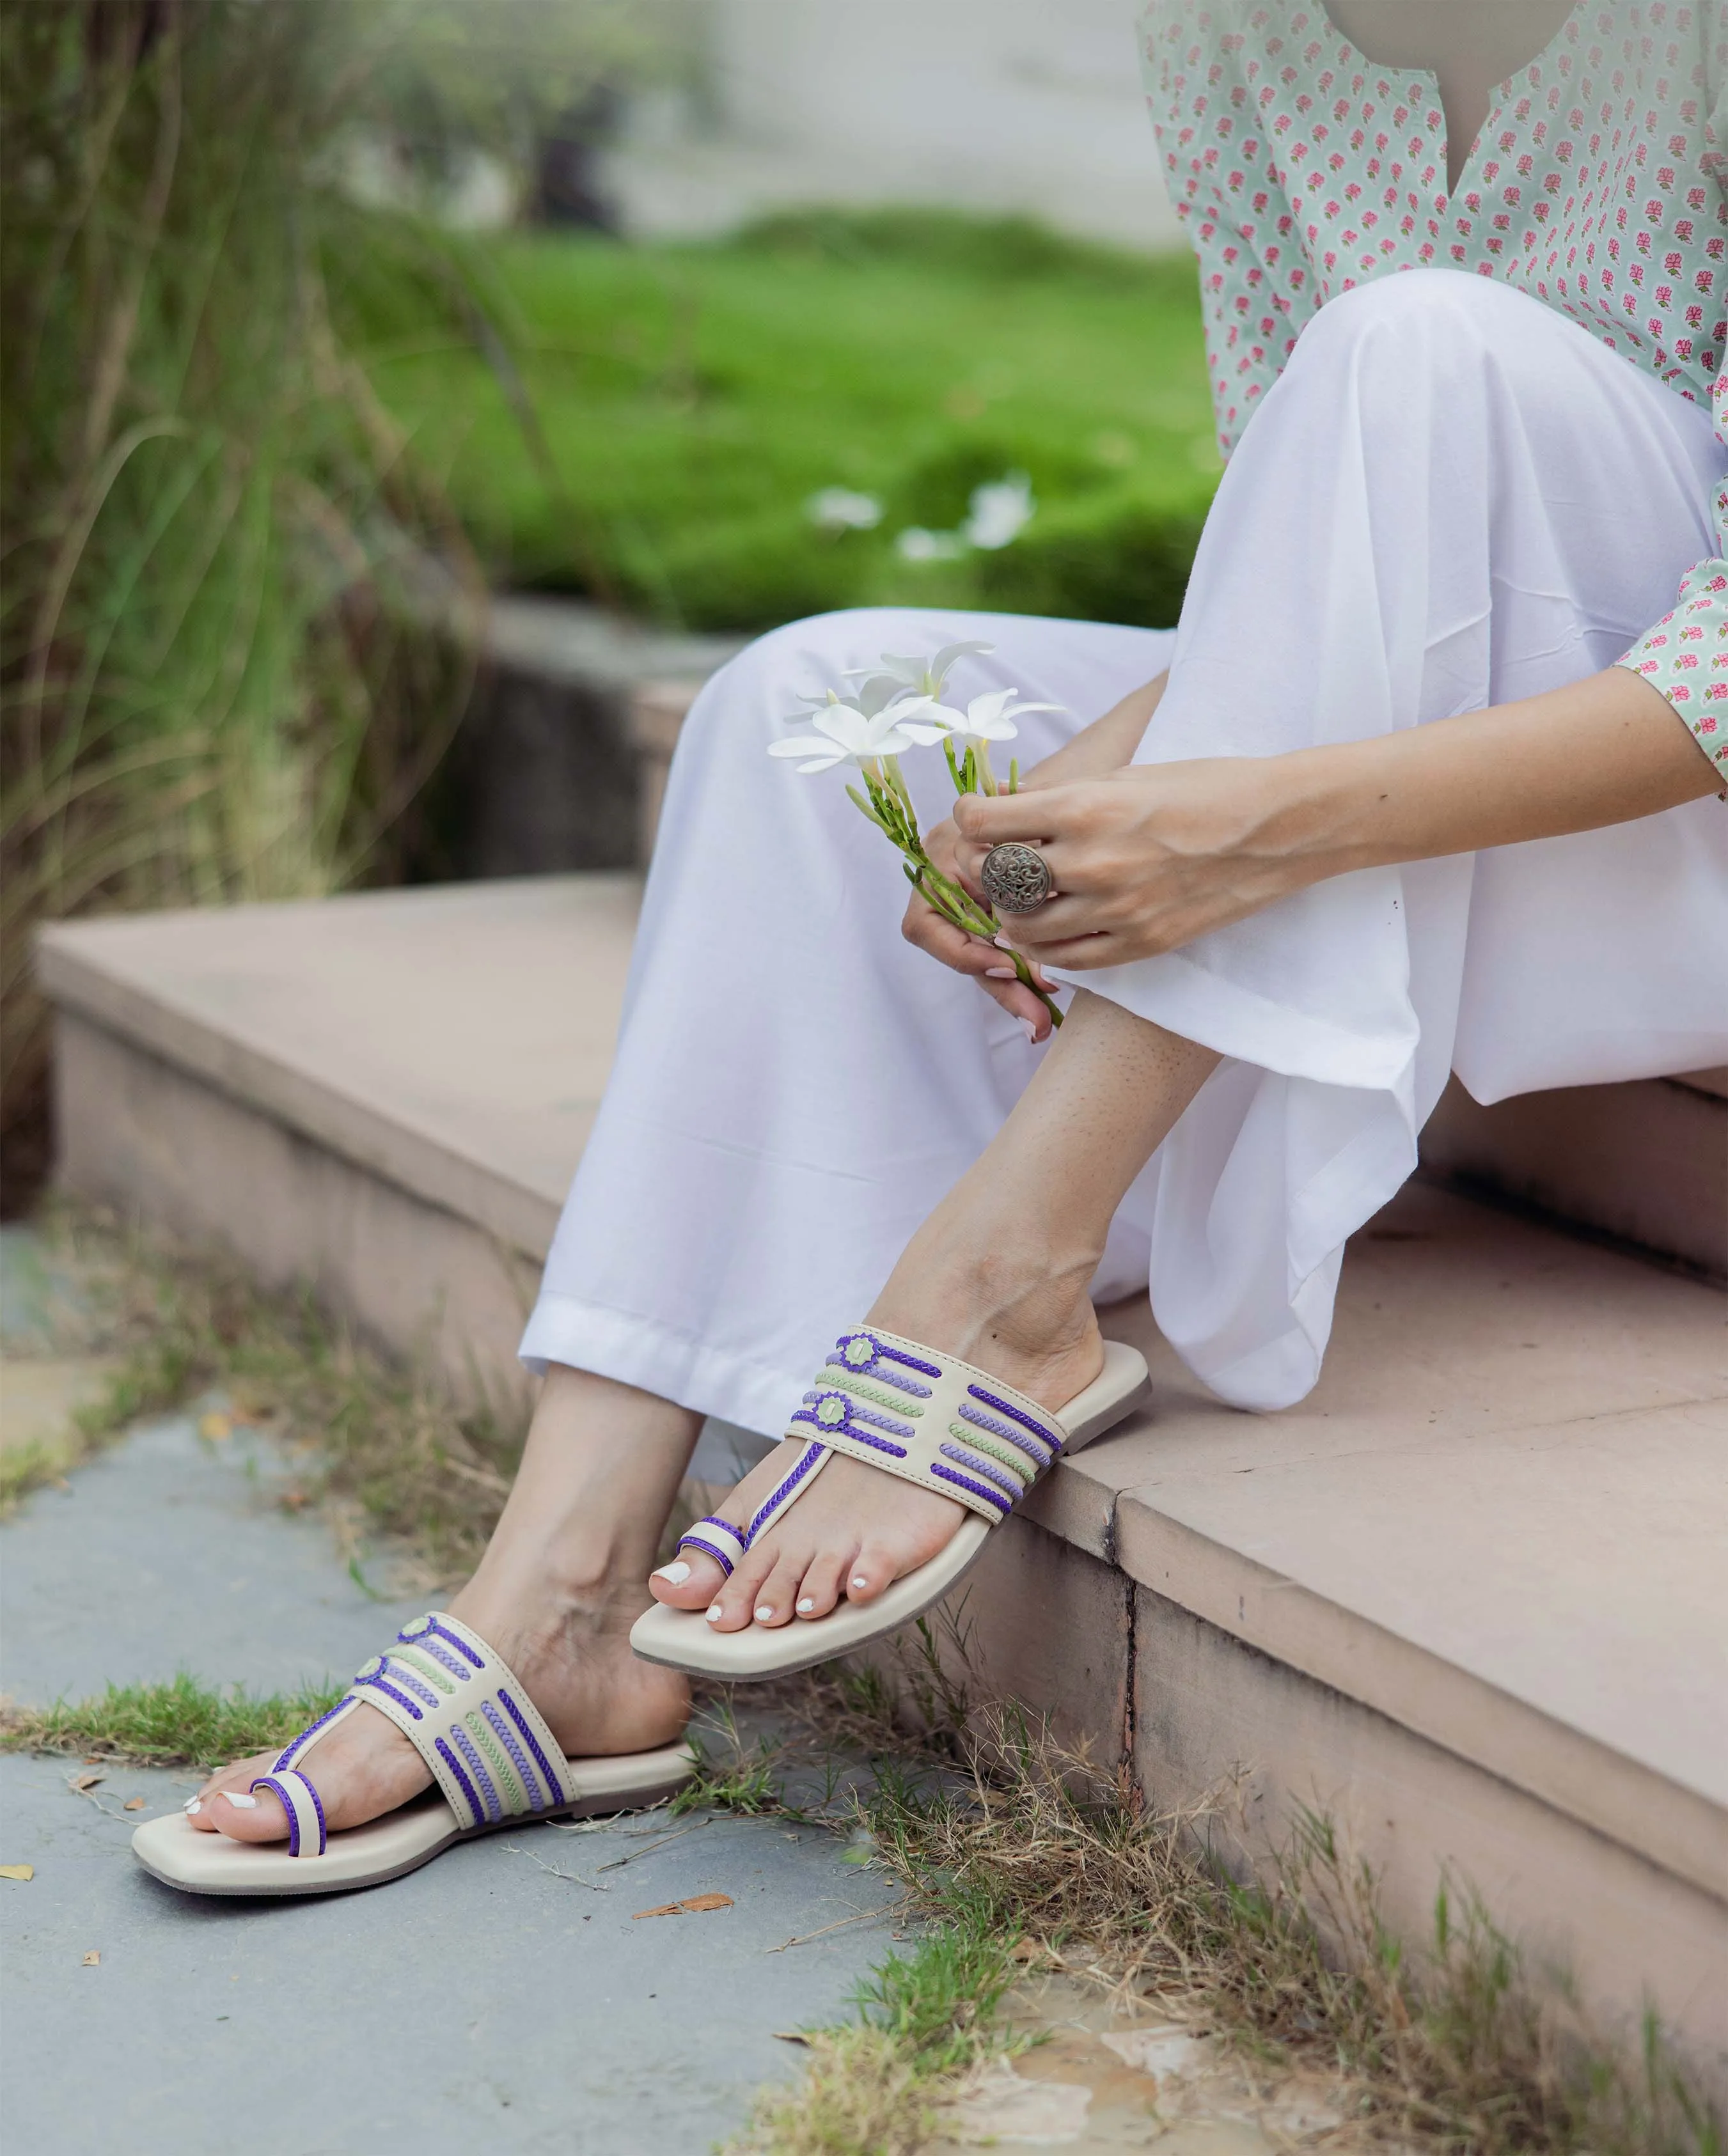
[[990, 820], [926, 928], [1081, 954], [942, 940], [1017, 999], [1058, 919]]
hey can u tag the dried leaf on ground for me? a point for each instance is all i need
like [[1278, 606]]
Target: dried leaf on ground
[[18, 1871], [692, 1906], [80, 1782], [93, 1959], [134, 1804]]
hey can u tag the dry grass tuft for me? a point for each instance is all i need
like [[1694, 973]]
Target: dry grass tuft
[[863, 2096], [384, 1448], [1020, 1856]]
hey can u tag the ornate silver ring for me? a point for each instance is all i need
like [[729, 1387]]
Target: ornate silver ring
[[1016, 878]]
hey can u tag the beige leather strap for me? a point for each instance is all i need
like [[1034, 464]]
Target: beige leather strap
[[462, 1708], [930, 1418]]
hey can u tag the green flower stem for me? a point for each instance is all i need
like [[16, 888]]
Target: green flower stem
[[955, 904], [887, 803]]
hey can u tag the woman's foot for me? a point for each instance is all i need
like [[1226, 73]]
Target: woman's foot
[[577, 1668], [1000, 1276], [555, 1596], [857, 1530]]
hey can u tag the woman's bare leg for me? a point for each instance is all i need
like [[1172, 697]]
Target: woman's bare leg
[[998, 1274], [555, 1594]]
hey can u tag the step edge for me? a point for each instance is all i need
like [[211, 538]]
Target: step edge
[[420, 1162], [1681, 1829]]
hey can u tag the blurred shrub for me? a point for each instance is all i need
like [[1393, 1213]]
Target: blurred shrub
[[216, 536], [1108, 558], [749, 574], [955, 243], [937, 489], [698, 397]]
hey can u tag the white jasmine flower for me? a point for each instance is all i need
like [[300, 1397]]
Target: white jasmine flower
[[987, 718], [915, 544], [1001, 512], [920, 677], [846, 734], [840, 509], [879, 691]]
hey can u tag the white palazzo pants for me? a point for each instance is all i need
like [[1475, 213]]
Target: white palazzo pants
[[1452, 497]]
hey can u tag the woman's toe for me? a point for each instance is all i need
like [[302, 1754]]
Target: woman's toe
[[776, 1597], [249, 1815], [818, 1590], [690, 1582], [872, 1570], [735, 1604], [202, 1810]]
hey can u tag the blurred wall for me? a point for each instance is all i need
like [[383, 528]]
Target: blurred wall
[[982, 104]]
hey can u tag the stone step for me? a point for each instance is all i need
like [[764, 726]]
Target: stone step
[[1468, 1599]]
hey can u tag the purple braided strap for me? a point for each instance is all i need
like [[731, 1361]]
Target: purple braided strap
[[1004, 1506], [717, 1539], [476, 1811], [291, 1751], [813, 1457], [1045, 1430]]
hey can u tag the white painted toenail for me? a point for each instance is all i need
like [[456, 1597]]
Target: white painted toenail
[[246, 1802], [763, 1611], [675, 1575], [714, 1613], [860, 1581], [192, 1804], [808, 1604]]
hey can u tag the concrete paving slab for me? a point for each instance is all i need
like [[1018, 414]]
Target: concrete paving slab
[[509, 1992], [170, 1552]]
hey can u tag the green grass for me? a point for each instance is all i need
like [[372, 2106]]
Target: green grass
[[685, 401], [181, 1724]]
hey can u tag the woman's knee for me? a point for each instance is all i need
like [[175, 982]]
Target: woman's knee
[[783, 670], [1420, 324]]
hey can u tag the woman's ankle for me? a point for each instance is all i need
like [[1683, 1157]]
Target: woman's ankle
[[582, 1604], [1018, 1310]]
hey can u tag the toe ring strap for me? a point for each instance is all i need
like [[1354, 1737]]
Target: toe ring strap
[[715, 1539], [306, 1835]]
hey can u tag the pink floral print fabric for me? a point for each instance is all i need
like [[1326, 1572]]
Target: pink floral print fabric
[[1599, 184]]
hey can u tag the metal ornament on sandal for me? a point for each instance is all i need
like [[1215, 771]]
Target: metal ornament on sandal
[[1016, 878]]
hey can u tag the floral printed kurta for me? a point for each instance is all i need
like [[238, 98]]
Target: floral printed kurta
[[1599, 184]]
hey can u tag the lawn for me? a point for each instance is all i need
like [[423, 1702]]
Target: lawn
[[651, 423]]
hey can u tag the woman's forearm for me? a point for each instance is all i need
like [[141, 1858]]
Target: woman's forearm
[[1149, 857], [1603, 750]]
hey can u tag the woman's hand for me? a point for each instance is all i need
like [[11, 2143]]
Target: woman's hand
[[1105, 746], [1142, 860], [926, 929]]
